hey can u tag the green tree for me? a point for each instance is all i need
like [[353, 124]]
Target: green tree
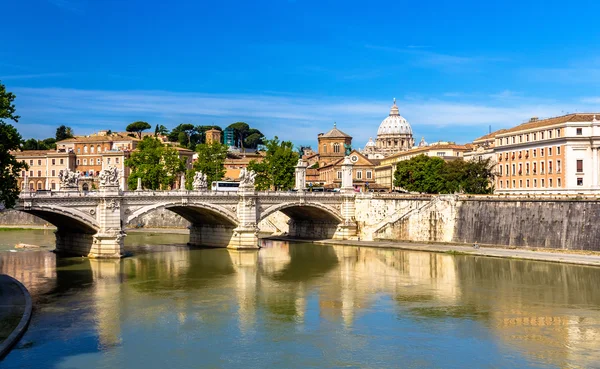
[[211, 161], [253, 138], [33, 144], [276, 171], [479, 177], [420, 174], [160, 130], [10, 140], [191, 137], [138, 127], [240, 131], [156, 164], [63, 132]]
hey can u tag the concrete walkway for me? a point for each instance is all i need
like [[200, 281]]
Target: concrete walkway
[[558, 256], [15, 312]]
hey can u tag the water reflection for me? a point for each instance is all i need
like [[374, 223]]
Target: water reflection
[[254, 305]]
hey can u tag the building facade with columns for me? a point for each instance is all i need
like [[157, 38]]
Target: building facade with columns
[[554, 155]]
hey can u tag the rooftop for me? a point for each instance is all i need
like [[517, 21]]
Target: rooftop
[[534, 123], [334, 133]]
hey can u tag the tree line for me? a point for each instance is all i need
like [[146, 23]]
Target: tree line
[[426, 174]]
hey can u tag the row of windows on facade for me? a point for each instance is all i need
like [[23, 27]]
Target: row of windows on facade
[[98, 161], [358, 174], [39, 162], [85, 149], [519, 154], [533, 136], [578, 167], [506, 184], [53, 173], [336, 148]]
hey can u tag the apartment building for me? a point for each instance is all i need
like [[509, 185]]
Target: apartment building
[[44, 166], [555, 155]]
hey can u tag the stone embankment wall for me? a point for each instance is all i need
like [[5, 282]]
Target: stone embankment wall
[[552, 222]]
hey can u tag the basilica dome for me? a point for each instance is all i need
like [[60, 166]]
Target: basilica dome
[[394, 124]]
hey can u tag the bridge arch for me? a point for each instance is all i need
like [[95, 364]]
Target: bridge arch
[[304, 211], [195, 213], [64, 218]]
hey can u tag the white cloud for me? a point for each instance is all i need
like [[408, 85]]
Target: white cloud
[[460, 118]]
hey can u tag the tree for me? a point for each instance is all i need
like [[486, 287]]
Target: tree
[[276, 171], [240, 131], [254, 138], [10, 140], [156, 164], [160, 130], [420, 174], [138, 127], [63, 132], [191, 137], [33, 144], [211, 161], [433, 175]]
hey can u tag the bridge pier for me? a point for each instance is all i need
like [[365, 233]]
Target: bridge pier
[[245, 236]]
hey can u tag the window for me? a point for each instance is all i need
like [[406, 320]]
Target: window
[[550, 182], [579, 181], [542, 182], [441, 153], [77, 161], [30, 162], [558, 168], [541, 152], [513, 139], [39, 173], [541, 135], [527, 137], [108, 162], [500, 169], [61, 161], [534, 183], [53, 185], [99, 148], [520, 168], [53, 173], [520, 183], [558, 181], [507, 183], [23, 173], [39, 162], [85, 149], [91, 173], [336, 147], [79, 150], [339, 174], [324, 148], [369, 174], [534, 153], [550, 136], [53, 161], [527, 169], [117, 160], [31, 173], [557, 150], [534, 167], [98, 161], [579, 166], [500, 184], [514, 171], [520, 138], [550, 166], [534, 136], [92, 149], [39, 186], [549, 151], [513, 184], [84, 161], [542, 167], [359, 174], [506, 169], [527, 183], [579, 132], [558, 135]]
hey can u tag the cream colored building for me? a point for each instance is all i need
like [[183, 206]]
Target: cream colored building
[[555, 155], [44, 166], [384, 172]]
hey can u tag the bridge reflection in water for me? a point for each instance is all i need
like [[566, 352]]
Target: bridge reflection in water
[[541, 313]]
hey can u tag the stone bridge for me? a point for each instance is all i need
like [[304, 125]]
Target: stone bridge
[[93, 224]]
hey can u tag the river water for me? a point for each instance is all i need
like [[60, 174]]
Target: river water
[[300, 306]]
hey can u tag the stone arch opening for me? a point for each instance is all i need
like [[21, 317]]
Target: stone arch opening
[[304, 221], [209, 225]]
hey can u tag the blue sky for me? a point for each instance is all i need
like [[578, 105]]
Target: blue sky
[[292, 68]]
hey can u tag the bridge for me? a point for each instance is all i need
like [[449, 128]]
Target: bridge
[[92, 224]]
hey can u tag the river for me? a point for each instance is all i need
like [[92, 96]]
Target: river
[[299, 306]]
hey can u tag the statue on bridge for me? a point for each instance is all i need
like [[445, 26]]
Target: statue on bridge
[[247, 178], [68, 179], [109, 177], [200, 182]]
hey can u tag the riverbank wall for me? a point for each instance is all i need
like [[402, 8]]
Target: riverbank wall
[[568, 223]]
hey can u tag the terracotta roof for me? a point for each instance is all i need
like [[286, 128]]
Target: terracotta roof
[[575, 117], [108, 138], [334, 133], [32, 152], [490, 135]]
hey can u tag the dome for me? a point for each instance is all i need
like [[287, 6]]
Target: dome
[[371, 143], [394, 124]]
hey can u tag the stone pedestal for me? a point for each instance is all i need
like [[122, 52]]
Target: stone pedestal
[[107, 245], [348, 228], [245, 236]]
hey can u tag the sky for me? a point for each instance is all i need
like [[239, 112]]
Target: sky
[[292, 68]]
